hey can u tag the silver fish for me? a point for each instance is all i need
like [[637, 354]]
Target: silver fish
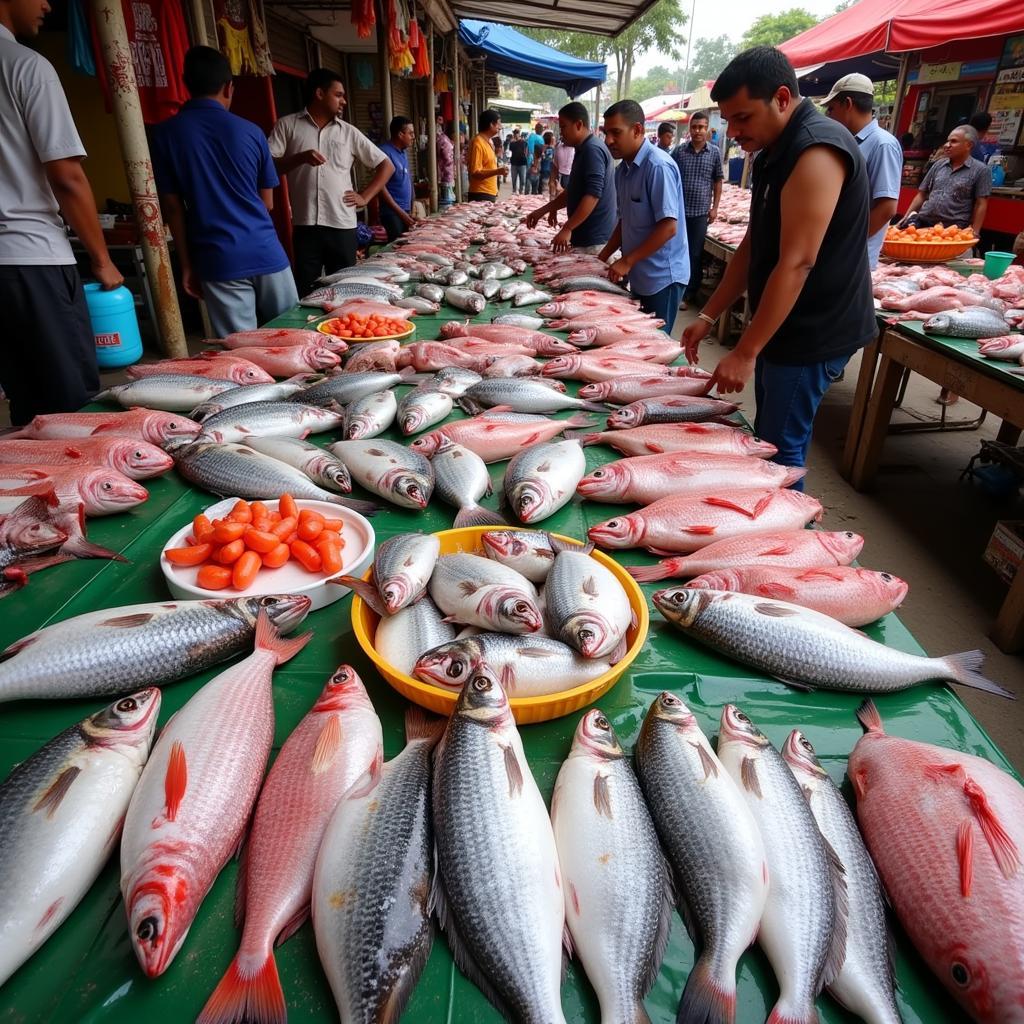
[[969, 322], [344, 388], [430, 292], [531, 298], [370, 415], [479, 592], [415, 302], [388, 469], [402, 638], [520, 395], [379, 291], [807, 649], [532, 323], [526, 666], [455, 277], [422, 408], [505, 934], [461, 479], [498, 271], [464, 299], [865, 982], [170, 392], [511, 366], [243, 394], [319, 465], [542, 479], [367, 268], [116, 650], [803, 927], [591, 283], [670, 409], [487, 288], [513, 288], [267, 419], [455, 380], [402, 567], [378, 849], [619, 914], [60, 812], [529, 552], [715, 849]]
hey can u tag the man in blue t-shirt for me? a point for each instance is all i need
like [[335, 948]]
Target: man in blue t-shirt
[[534, 143], [215, 178], [396, 196]]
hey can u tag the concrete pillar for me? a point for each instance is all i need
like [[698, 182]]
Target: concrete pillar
[[131, 135], [456, 142], [431, 126]]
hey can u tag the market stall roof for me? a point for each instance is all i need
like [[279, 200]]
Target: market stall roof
[[509, 52], [513, 111], [656, 104], [607, 18]]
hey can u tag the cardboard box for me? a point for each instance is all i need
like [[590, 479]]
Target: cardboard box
[[1005, 550]]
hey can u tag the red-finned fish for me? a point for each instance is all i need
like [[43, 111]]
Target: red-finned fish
[[367, 307], [540, 344], [436, 355], [190, 809], [654, 438], [682, 524], [273, 337], [147, 424], [218, 365], [946, 830], [597, 366], [288, 360], [335, 753], [612, 334], [658, 349], [101, 490], [134, 458], [635, 387]]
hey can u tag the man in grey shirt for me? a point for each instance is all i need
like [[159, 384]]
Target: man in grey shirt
[[956, 188]]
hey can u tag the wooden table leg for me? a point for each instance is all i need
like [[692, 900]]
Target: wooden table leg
[[1008, 631], [1008, 433], [868, 363], [876, 423]]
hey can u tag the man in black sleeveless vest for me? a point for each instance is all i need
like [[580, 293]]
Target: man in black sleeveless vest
[[803, 261]]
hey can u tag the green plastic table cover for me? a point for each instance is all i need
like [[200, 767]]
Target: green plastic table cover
[[87, 972]]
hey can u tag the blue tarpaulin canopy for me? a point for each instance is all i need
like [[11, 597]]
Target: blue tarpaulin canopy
[[509, 52]]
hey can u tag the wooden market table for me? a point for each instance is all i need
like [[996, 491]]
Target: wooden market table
[[724, 252], [952, 363]]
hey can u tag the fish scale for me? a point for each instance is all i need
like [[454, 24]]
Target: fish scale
[[400, 639]]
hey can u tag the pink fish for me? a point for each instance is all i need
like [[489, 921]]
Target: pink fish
[[103, 491], [189, 811], [646, 478], [430, 356], [218, 365], [656, 438], [946, 830], [613, 334], [375, 355], [278, 337], [651, 349], [635, 387], [512, 366], [1009, 347], [367, 307], [853, 596], [613, 307], [336, 751], [147, 424], [495, 434], [683, 523], [595, 366], [136, 459], [537, 343], [288, 360], [479, 345]]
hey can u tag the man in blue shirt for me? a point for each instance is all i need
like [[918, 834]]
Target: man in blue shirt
[[396, 196], [215, 177], [534, 149], [650, 197]]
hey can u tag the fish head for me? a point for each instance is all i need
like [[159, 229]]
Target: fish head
[[843, 545], [806, 504], [342, 692], [285, 611], [107, 491], [622, 419], [530, 500], [450, 665], [752, 445], [518, 612], [359, 427], [560, 366], [161, 427], [429, 443], [592, 634], [801, 758], [140, 459], [667, 707], [128, 722], [483, 699], [595, 392], [604, 482], [721, 579], [549, 346], [621, 532], [583, 337], [891, 588], [683, 606], [249, 374], [415, 488], [595, 735], [322, 358], [412, 421], [938, 323], [736, 727], [154, 908], [26, 532]]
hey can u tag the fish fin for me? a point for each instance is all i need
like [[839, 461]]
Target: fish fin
[[421, 726], [965, 855], [79, 547], [17, 647], [533, 652], [367, 782], [795, 684], [775, 611], [649, 573], [175, 781], [963, 668], [812, 575], [579, 419], [586, 439], [328, 743], [779, 549], [508, 677], [859, 782], [700, 531], [468, 588], [532, 439], [513, 771], [470, 406], [391, 1010], [618, 652], [653, 966], [657, 449], [269, 639], [52, 798], [750, 513], [74, 453], [292, 925], [567, 946], [780, 1015], [590, 586], [663, 551], [706, 999], [366, 590], [868, 716], [748, 775], [707, 762], [777, 590], [27, 566], [128, 621], [689, 921], [837, 948], [602, 797], [1003, 848], [242, 884], [247, 997], [476, 515], [558, 546]]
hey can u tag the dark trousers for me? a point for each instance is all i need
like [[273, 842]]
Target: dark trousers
[[481, 197], [392, 223], [696, 232], [320, 251], [48, 360], [663, 304]]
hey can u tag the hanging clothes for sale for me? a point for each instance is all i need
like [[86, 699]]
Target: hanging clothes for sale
[[80, 40], [242, 33]]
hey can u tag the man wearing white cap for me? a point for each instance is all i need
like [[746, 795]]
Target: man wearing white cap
[[850, 103]]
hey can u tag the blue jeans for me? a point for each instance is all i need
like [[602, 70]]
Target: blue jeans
[[663, 304], [696, 232], [519, 175], [787, 402]]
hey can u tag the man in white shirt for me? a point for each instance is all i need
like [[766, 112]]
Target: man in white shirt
[[48, 362], [316, 150]]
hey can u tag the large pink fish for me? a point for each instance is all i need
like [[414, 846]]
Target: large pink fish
[[635, 387], [336, 751], [945, 831], [103, 491], [540, 344], [609, 306], [147, 424], [276, 337], [430, 356], [134, 458], [797, 548], [613, 334], [650, 349], [656, 438], [646, 478], [477, 345], [596, 366], [190, 809], [853, 596], [599, 318], [496, 435], [683, 523], [288, 360], [367, 307], [218, 365], [1009, 347]]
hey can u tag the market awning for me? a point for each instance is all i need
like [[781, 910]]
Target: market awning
[[509, 52], [513, 111], [607, 18]]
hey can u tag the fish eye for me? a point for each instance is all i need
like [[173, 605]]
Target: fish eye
[[268, 602], [173, 425], [960, 973], [740, 717], [481, 684], [848, 535], [138, 454], [341, 676], [126, 705], [887, 577], [148, 930], [454, 670], [806, 744], [613, 524], [107, 485], [602, 723], [598, 473]]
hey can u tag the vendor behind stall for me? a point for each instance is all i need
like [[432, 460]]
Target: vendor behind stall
[[396, 196]]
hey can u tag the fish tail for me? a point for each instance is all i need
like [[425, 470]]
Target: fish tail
[[580, 419], [421, 726], [965, 669], [809, 1015], [269, 639], [584, 437], [601, 407], [868, 716], [793, 473], [706, 999], [662, 570], [476, 515], [257, 997], [366, 590]]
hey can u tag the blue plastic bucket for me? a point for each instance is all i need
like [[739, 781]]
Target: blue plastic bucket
[[115, 326]]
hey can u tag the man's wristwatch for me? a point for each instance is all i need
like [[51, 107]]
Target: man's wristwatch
[[709, 320]]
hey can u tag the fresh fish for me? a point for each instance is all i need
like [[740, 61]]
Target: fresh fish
[[612, 334], [369, 416], [619, 916], [402, 567], [461, 479], [217, 365], [970, 322], [193, 801], [275, 337], [533, 323], [806, 649], [533, 297], [268, 419], [28, 533], [591, 283], [529, 552], [455, 380], [371, 889], [464, 299], [243, 394], [530, 666], [490, 823], [520, 395], [171, 392], [60, 815], [865, 982], [805, 549], [418, 304], [343, 291], [145, 424], [634, 387], [945, 830], [101, 490], [498, 271], [479, 592], [287, 360], [136, 459], [661, 350], [430, 356], [684, 523], [421, 408], [535, 342], [488, 288], [594, 367], [116, 650], [350, 387], [319, 465], [542, 479], [235, 470], [455, 278], [366, 269], [374, 355], [402, 638], [336, 750], [430, 292], [510, 366], [1009, 347], [853, 596], [717, 438], [398, 474], [511, 289], [803, 928], [670, 409]]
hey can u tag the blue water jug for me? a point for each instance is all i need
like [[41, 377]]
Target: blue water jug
[[115, 326]]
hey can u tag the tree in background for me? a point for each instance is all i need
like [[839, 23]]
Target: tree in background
[[772, 29], [708, 59], [532, 92], [659, 81]]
